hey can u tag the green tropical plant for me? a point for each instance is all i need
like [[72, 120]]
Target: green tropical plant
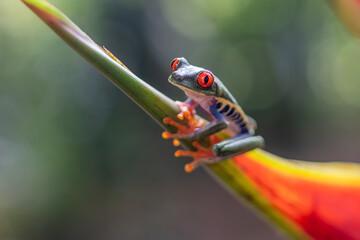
[[304, 199]]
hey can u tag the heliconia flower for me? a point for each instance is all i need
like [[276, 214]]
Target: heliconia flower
[[320, 198]]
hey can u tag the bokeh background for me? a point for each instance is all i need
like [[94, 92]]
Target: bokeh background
[[79, 160]]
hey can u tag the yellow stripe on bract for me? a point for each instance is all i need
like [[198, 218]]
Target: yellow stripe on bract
[[336, 173]]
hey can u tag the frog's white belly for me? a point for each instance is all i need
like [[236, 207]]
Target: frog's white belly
[[204, 101]]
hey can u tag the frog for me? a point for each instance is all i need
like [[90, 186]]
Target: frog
[[207, 92]]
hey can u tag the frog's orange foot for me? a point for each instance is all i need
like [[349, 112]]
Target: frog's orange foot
[[182, 132], [201, 155], [187, 112]]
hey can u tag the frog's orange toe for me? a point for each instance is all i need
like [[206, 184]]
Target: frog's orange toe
[[180, 116], [200, 153], [176, 142], [183, 153], [180, 153], [188, 115], [170, 121], [191, 166], [185, 113], [167, 120], [166, 135]]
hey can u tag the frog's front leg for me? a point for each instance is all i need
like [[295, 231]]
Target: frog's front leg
[[218, 124], [195, 130], [187, 111], [237, 145]]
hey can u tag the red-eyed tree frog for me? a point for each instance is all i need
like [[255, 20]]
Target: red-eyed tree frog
[[206, 91]]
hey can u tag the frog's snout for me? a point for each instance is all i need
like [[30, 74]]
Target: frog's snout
[[175, 77]]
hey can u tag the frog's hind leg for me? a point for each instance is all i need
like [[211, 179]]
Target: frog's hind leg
[[237, 145]]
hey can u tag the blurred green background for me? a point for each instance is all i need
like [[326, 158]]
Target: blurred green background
[[79, 160]]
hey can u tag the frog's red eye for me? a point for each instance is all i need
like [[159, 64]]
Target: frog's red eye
[[205, 79], [174, 63]]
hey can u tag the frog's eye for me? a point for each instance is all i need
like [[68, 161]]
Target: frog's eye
[[174, 64], [205, 79]]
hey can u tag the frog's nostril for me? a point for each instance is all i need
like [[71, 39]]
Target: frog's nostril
[[177, 77]]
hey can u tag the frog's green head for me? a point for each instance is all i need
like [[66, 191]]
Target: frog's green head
[[192, 78]]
